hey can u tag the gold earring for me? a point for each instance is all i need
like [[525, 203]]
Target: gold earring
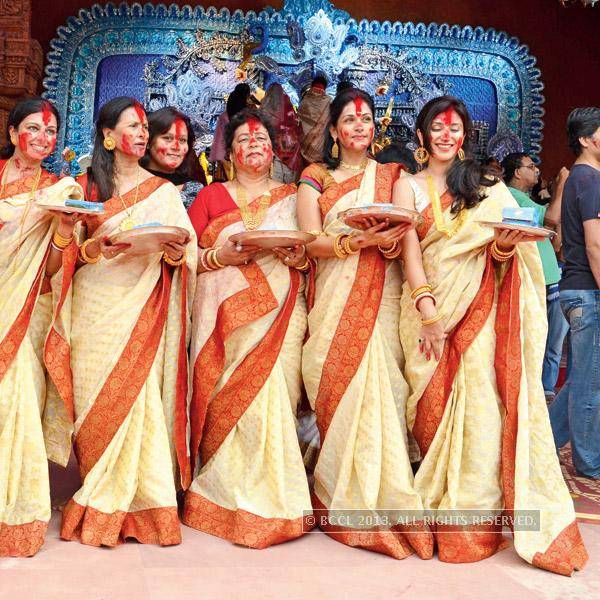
[[421, 155], [335, 151], [13, 139], [109, 143], [461, 154]]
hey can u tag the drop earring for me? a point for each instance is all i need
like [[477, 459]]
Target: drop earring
[[335, 151]]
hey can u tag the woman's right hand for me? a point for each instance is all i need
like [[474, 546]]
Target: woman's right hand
[[228, 255], [379, 234], [105, 247], [432, 340]]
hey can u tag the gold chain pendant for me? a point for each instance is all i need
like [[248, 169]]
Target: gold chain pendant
[[252, 219], [126, 224], [438, 214]]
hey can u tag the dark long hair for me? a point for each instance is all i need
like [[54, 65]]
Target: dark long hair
[[335, 110], [101, 174], [465, 177], [159, 122], [238, 99], [21, 111], [240, 118]]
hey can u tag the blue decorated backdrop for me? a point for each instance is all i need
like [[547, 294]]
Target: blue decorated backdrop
[[189, 58]]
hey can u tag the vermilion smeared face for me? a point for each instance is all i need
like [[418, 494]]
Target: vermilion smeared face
[[251, 149], [131, 131], [355, 128], [170, 148], [446, 135], [36, 135]]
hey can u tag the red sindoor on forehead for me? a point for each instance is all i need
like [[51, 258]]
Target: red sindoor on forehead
[[358, 104], [46, 112], [446, 116], [179, 128], [139, 109], [253, 124]]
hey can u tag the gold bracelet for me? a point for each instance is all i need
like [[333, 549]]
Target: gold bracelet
[[346, 245], [304, 267], [393, 252], [60, 241], [502, 252], [174, 263], [431, 321], [501, 256], [420, 290], [392, 248], [203, 260], [214, 259], [84, 255], [337, 247]]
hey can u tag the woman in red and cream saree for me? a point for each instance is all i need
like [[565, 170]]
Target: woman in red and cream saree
[[478, 413], [351, 362], [33, 246], [249, 322], [128, 336]]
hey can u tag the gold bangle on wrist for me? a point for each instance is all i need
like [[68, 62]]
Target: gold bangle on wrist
[[346, 246], [61, 242], [392, 252], [431, 321], [420, 290], [84, 255], [214, 259], [337, 246], [174, 263], [500, 255], [305, 266]]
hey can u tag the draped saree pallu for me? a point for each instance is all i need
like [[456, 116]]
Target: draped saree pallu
[[479, 414], [128, 339], [26, 308], [250, 486], [352, 372]]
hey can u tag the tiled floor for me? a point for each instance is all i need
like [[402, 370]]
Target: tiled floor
[[313, 567]]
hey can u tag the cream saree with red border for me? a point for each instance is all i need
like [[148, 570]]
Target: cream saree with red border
[[128, 337], [26, 308], [479, 414], [352, 373], [250, 486]]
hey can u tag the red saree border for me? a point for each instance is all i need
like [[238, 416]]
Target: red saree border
[[242, 387], [95, 528], [431, 405], [565, 554], [9, 346], [247, 305], [22, 540], [427, 214], [123, 385], [210, 235], [24, 185], [470, 543], [240, 526], [393, 542], [57, 350], [352, 336], [508, 367]]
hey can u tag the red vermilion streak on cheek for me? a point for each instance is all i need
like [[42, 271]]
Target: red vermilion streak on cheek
[[126, 144], [46, 112], [23, 139], [358, 105]]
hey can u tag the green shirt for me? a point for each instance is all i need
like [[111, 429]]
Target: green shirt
[[549, 262]]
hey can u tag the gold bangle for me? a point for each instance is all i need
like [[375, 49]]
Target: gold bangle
[[392, 248], [499, 252], [317, 232], [174, 263], [60, 241], [501, 256], [214, 259], [431, 321], [346, 245], [337, 247], [305, 266], [420, 290], [84, 255], [393, 252]]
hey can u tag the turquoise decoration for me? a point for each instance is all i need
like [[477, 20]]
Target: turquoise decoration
[[97, 207], [187, 57], [514, 215]]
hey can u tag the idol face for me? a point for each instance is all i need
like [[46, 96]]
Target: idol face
[[446, 135], [131, 132], [35, 137], [251, 149], [355, 128], [170, 148]]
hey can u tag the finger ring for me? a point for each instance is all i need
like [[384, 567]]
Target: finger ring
[[238, 248], [286, 259], [420, 341], [246, 262]]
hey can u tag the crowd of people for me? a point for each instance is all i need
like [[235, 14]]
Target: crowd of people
[[406, 367]]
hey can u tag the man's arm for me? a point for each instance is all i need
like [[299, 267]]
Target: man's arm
[[591, 230], [552, 216]]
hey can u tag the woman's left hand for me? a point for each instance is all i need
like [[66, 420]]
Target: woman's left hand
[[174, 250], [506, 239], [293, 257]]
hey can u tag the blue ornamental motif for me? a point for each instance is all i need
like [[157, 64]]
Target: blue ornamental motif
[[190, 57]]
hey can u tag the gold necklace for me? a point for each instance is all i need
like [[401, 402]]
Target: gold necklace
[[128, 223], [438, 215], [252, 219], [357, 168]]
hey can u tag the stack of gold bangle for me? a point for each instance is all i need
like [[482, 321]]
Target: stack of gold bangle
[[346, 245], [392, 252], [431, 321], [209, 260], [341, 246], [174, 263], [420, 290], [83, 254], [59, 242], [500, 255], [424, 291]]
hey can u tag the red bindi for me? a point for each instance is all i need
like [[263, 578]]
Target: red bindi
[[46, 112], [358, 104]]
